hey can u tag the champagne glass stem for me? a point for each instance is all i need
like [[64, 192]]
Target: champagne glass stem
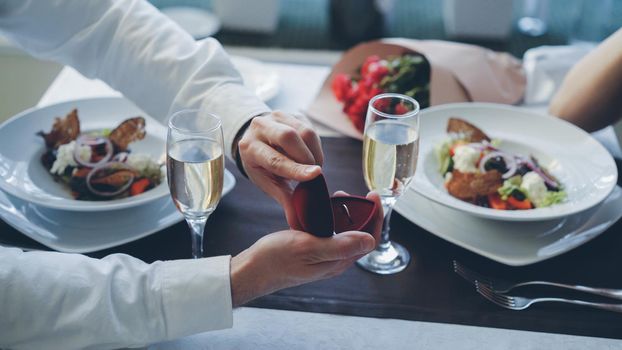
[[197, 226], [385, 242], [387, 207]]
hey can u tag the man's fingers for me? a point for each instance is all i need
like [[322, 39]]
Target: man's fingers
[[284, 137], [280, 165], [290, 211], [335, 268], [304, 128], [345, 245], [340, 194]]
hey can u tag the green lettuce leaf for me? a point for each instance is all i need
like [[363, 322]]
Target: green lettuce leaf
[[510, 185], [553, 198]]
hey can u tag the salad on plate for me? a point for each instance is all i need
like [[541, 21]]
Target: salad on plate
[[478, 171], [99, 165]]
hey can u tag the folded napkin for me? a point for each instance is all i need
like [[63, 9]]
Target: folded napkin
[[459, 73]]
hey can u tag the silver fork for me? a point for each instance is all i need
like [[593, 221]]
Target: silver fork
[[521, 303], [501, 286]]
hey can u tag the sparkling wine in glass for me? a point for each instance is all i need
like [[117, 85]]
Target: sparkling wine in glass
[[390, 152], [195, 169]]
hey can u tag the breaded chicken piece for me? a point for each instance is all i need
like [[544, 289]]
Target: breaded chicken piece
[[63, 131], [130, 130], [468, 130], [469, 186]]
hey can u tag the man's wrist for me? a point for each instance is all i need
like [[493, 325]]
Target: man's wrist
[[241, 293], [235, 152]]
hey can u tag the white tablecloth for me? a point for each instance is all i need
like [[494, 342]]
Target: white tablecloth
[[276, 329]]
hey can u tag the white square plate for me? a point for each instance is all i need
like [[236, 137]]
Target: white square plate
[[507, 242]]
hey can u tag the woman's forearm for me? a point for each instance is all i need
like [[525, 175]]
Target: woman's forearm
[[591, 94]]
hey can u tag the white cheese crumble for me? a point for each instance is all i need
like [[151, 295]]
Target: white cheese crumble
[[448, 177], [64, 157], [533, 185], [465, 159], [143, 164]]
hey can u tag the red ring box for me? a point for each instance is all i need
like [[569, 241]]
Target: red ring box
[[322, 215]]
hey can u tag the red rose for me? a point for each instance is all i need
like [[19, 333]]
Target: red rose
[[341, 85], [374, 91], [356, 110], [401, 108], [366, 85], [382, 105], [369, 60], [378, 72], [352, 93]]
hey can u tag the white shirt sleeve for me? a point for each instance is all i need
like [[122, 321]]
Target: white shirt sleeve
[[137, 50], [53, 300]]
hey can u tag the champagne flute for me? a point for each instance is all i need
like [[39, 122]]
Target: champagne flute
[[390, 152], [195, 166]]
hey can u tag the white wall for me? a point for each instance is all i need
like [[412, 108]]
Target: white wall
[[23, 79]]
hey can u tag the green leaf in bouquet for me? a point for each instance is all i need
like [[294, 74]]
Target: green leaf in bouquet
[[422, 95], [412, 92], [409, 74], [386, 80]]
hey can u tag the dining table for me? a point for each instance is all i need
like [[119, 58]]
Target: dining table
[[427, 306]]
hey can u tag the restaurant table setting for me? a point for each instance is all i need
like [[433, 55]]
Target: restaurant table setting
[[464, 260]]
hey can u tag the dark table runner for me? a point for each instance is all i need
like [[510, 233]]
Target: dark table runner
[[428, 290]]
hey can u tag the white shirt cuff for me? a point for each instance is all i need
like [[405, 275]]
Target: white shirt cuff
[[196, 295], [235, 105]]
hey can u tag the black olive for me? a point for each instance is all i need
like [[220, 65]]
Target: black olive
[[482, 202], [496, 163], [99, 149], [522, 170], [450, 168], [519, 195], [48, 158]]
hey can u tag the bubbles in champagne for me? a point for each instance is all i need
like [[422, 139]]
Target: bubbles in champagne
[[390, 152], [195, 175]]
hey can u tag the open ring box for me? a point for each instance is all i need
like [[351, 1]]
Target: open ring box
[[323, 215]]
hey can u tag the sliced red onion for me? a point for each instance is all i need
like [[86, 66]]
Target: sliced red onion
[[90, 140], [512, 167], [536, 169], [86, 140], [477, 145], [120, 157], [117, 165], [483, 146], [510, 163]]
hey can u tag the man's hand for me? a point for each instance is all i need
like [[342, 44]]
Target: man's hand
[[277, 150], [290, 258]]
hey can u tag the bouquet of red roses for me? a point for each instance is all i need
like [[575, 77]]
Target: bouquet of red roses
[[408, 74]]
